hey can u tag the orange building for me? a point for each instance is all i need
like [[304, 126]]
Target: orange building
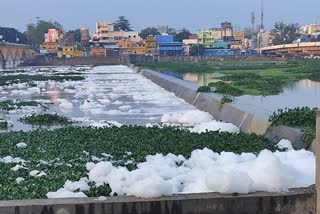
[[97, 51], [49, 47], [151, 46], [131, 47]]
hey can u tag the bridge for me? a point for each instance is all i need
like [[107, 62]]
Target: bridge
[[12, 55], [298, 49]]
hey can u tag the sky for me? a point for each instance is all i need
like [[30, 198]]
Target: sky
[[192, 14]]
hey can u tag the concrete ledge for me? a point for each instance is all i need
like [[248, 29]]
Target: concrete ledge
[[296, 201], [247, 122]]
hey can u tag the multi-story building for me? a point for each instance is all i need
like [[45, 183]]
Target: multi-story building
[[167, 47], [133, 36], [313, 29], [104, 33], [226, 30], [85, 37], [266, 38], [206, 38], [163, 29], [187, 44], [151, 46], [130, 47]]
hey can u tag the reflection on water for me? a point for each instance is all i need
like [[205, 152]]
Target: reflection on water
[[200, 78], [297, 94]]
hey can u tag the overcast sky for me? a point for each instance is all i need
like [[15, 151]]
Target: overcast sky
[[192, 14]]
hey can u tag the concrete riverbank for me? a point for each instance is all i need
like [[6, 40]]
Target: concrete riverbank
[[247, 122]]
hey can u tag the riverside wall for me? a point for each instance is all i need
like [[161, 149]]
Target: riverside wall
[[296, 201], [247, 122]]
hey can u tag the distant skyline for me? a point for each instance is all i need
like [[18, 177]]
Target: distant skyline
[[191, 14]]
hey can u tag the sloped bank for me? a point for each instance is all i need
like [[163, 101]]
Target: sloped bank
[[247, 122]]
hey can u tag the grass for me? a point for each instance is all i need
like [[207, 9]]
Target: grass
[[45, 119], [67, 150], [251, 77]]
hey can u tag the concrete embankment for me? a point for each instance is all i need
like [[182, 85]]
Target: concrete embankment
[[297, 201], [247, 122]]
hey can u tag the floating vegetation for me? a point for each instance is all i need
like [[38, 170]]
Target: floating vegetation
[[46, 119], [3, 124], [9, 105], [63, 153], [303, 118], [24, 78]]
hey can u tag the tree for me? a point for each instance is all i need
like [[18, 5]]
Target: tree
[[285, 33], [12, 35], [149, 31], [181, 35], [196, 50], [122, 24], [36, 31], [171, 31], [249, 33], [77, 35]]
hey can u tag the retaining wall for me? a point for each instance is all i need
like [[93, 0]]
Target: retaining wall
[[296, 201], [247, 122]]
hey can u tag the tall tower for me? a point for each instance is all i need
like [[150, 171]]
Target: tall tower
[[252, 21], [262, 14]]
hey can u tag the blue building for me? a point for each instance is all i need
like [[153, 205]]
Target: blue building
[[167, 47], [218, 52]]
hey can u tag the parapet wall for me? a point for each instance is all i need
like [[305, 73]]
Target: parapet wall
[[247, 122], [297, 201]]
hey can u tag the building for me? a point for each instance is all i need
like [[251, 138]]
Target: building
[[167, 47], [218, 52], [85, 36], [52, 36], [207, 37], [266, 39], [70, 38], [97, 51], [151, 46], [104, 33], [187, 44], [313, 29], [163, 29], [133, 36], [129, 47], [220, 44], [49, 47], [226, 30]]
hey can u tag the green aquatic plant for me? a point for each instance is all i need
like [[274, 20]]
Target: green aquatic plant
[[46, 119], [8, 105], [301, 117], [63, 153]]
